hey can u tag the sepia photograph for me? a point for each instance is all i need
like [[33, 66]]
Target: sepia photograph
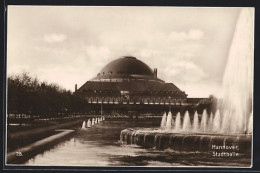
[[129, 86]]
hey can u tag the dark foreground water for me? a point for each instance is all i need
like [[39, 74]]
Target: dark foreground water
[[100, 146]]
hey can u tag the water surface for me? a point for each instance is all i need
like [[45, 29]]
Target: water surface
[[100, 146]]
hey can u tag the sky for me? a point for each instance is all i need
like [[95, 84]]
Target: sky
[[70, 45]]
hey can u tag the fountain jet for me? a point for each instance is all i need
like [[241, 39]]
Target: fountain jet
[[163, 122], [169, 121], [178, 122], [83, 125], [203, 124], [196, 122], [186, 122], [210, 122], [238, 76], [88, 123], [216, 122]]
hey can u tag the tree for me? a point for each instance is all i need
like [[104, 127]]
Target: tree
[[26, 95]]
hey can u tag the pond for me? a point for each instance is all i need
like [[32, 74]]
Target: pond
[[100, 146]]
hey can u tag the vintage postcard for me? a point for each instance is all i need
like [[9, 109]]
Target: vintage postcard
[[129, 86]]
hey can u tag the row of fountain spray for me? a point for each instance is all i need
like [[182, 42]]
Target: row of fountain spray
[[92, 122], [204, 123]]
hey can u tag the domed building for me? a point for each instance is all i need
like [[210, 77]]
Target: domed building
[[127, 85]]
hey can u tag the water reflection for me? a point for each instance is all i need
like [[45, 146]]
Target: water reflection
[[100, 146]]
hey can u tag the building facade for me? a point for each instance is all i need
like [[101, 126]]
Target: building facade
[[128, 85]]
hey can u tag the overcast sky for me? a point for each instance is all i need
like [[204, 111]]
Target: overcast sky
[[70, 45]]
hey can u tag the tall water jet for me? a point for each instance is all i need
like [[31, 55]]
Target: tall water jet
[[169, 121], [186, 122], [163, 122], [178, 122], [238, 76], [216, 122], [83, 125], [196, 122], [93, 121], [203, 123]]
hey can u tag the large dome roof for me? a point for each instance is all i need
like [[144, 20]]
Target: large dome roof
[[126, 67]]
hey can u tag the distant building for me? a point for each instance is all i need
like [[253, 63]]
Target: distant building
[[127, 85]]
